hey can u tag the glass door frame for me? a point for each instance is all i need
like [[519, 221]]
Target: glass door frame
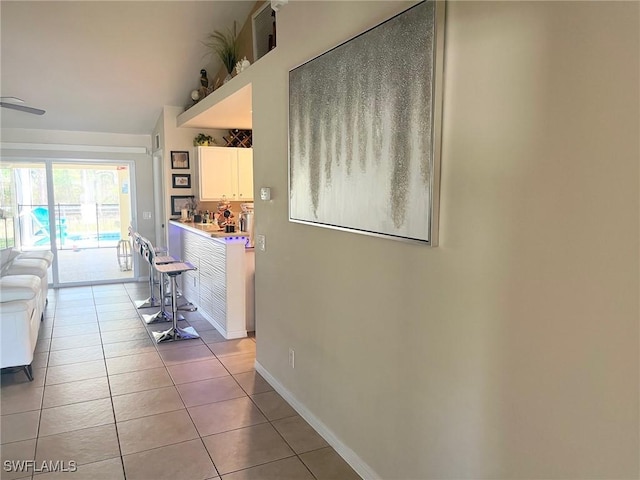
[[53, 234]]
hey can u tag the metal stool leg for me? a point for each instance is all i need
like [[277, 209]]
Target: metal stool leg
[[160, 316], [152, 301], [187, 306]]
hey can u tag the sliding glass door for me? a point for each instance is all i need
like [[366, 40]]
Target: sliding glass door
[[25, 200], [80, 211]]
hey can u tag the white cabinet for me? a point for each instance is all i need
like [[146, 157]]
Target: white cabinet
[[245, 174], [225, 172]]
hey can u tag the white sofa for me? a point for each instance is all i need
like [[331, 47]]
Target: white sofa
[[23, 298], [20, 315], [32, 266]]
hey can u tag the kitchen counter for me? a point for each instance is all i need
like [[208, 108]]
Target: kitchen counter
[[209, 230], [222, 287]]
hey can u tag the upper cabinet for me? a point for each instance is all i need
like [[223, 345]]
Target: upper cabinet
[[225, 172], [245, 173]]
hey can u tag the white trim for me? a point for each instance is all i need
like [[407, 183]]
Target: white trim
[[349, 456], [255, 15], [276, 5], [56, 147]]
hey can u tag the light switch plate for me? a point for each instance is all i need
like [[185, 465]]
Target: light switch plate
[[265, 193], [261, 243], [146, 215]]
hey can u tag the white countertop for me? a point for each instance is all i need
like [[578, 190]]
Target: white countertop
[[212, 231]]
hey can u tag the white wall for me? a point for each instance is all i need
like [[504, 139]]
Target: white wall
[[511, 350], [173, 138]]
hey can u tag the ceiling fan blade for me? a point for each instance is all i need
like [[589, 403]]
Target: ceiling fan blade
[[22, 108], [13, 99]]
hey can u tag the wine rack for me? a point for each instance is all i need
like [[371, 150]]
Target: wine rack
[[239, 138]]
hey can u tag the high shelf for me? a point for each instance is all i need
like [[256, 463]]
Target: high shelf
[[228, 107]]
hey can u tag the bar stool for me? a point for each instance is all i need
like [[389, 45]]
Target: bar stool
[[140, 247], [154, 261], [172, 270]]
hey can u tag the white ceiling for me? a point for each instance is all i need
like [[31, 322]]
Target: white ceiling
[[104, 66]]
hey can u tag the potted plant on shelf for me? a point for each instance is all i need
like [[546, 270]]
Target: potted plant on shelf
[[203, 140], [225, 46]]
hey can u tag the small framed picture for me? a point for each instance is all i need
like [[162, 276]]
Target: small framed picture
[[178, 202], [179, 180], [180, 160]]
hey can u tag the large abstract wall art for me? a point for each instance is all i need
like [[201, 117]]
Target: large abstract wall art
[[364, 130]]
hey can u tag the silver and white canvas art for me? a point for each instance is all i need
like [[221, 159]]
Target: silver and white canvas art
[[361, 133]]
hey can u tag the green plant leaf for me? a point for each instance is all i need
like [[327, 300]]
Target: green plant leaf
[[225, 46]]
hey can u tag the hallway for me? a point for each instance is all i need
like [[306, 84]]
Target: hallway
[[106, 397]]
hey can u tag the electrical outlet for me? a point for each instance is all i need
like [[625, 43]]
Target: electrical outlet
[[292, 358], [261, 243], [146, 215]]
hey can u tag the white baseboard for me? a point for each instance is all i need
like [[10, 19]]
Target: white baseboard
[[217, 325], [223, 331], [349, 456]]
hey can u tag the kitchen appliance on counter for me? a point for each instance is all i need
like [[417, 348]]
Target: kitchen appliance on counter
[[246, 221]]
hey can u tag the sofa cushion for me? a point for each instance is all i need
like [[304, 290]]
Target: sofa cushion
[[28, 266], [7, 255], [38, 254], [19, 287]]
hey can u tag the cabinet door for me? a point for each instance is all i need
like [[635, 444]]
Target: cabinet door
[[245, 174], [217, 169]]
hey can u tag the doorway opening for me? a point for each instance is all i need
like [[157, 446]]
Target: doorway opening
[[80, 211]]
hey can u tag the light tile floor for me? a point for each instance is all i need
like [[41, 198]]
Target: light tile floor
[[91, 265], [120, 406]]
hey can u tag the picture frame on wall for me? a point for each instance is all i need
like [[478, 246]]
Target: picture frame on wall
[[178, 202], [180, 180], [364, 152], [180, 160]]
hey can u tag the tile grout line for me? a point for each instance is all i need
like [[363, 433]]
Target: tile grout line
[[270, 422], [183, 402], [44, 382], [187, 409], [113, 410], [158, 351], [189, 414]]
